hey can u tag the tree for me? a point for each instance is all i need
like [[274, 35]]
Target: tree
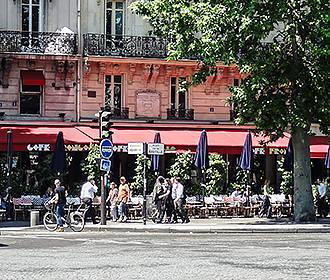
[[282, 49], [90, 165], [181, 168], [137, 184]]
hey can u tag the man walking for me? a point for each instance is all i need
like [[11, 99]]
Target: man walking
[[87, 194], [60, 201], [179, 200]]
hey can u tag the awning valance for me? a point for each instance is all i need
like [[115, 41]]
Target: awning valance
[[32, 78], [219, 141], [43, 138]]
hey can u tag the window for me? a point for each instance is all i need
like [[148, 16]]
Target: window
[[32, 83], [30, 100], [178, 98], [113, 91], [114, 17], [32, 15]]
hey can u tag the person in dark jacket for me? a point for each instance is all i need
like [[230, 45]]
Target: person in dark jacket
[[171, 216], [160, 192], [266, 207]]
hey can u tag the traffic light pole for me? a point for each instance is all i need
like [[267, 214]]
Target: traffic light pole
[[103, 217], [144, 184]]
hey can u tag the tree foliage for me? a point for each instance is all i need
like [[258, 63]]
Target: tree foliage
[[282, 49], [216, 175], [137, 184], [90, 165]]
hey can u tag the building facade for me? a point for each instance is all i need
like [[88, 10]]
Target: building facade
[[63, 60]]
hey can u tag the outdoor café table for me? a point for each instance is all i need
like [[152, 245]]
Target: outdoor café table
[[193, 208]]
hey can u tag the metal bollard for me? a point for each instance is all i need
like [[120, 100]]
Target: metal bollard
[[34, 218]]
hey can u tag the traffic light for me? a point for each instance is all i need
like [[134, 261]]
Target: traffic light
[[105, 124]]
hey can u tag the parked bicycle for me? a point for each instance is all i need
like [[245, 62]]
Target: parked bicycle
[[73, 219]]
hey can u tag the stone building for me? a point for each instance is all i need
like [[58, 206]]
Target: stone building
[[63, 60]]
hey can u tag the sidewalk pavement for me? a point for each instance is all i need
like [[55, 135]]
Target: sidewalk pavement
[[211, 225]]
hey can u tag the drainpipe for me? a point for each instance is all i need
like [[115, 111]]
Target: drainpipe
[[79, 64]]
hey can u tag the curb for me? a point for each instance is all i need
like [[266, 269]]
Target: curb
[[230, 230]]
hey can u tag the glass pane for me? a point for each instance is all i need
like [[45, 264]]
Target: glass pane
[[35, 18], [108, 95], [108, 28], [173, 93], [109, 4], [25, 18], [117, 97], [35, 1], [25, 1], [30, 104], [119, 23], [108, 79], [26, 88], [117, 79], [182, 100], [119, 5]]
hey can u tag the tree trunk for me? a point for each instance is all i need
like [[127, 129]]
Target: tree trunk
[[303, 199]]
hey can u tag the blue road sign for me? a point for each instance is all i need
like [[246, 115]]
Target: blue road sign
[[106, 148], [105, 165]]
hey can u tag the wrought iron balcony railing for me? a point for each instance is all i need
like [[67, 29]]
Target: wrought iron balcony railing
[[124, 46], [119, 113], [38, 42], [180, 114]]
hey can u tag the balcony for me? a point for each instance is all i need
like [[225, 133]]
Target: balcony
[[38, 42], [124, 46], [180, 114], [119, 113]]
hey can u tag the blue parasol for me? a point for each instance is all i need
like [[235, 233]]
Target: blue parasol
[[202, 156], [245, 161], [327, 159], [58, 160], [288, 160], [155, 158]]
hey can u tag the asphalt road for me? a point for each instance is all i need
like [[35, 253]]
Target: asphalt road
[[104, 255]]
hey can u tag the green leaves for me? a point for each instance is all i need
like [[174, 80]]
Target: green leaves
[[285, 74]]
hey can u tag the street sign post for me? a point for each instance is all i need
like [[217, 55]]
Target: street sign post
[[105, 165], [106, 148], [156, 149], [106, 151], [135, 148]]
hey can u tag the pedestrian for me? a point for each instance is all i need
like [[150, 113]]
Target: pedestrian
[[322, 206], [159, 194], [169, 204], [87, 195], [266, 207], [60, 200], [112, 200], [123, 197], [236, 193], [180, 200], [49, 193]]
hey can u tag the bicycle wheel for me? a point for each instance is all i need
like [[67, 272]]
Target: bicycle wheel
[[49, 221], [77, 222]]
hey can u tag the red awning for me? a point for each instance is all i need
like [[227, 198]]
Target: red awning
[[220, 141], [33, 78], [43, 138]]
